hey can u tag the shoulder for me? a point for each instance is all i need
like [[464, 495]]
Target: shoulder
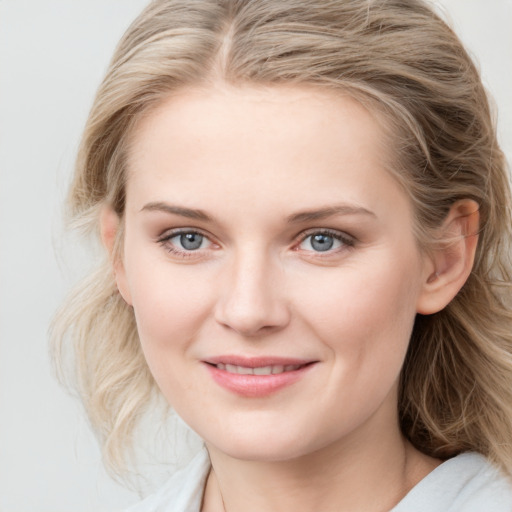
[[466, 483], [183, 492]]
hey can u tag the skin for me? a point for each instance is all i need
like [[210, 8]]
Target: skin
[[252, 159]]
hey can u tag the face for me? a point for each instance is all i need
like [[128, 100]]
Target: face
[[271, 265]]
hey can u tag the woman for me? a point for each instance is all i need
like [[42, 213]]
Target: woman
[[307, 221]]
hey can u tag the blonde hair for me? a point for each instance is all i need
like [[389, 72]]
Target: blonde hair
[[404, 62]]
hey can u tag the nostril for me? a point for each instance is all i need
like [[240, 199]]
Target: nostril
[[255, 324]]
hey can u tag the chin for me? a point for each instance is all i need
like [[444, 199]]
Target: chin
[[258, 453], [264, 446]]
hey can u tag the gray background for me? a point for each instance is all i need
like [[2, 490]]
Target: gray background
[[52, 56]]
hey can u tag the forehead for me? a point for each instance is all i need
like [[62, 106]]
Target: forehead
[[222, 109], [244, 141]]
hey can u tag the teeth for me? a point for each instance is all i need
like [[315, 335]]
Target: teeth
[[263, 370], [260, 370], [243, 370]]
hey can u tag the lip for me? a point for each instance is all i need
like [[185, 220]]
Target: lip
[[256, 386]]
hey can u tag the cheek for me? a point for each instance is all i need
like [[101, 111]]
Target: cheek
[[169, 313], [364, 314], [170, 303], [370, 299], [365, 323]]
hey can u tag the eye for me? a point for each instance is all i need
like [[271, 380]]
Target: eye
[[325, 241], [189, 241], [185, 242]]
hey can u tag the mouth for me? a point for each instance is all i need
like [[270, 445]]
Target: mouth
[[256, 377], [259, 370]]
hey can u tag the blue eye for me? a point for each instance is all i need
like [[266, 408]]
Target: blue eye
[[324, 242], [184, 243], [188, 241]]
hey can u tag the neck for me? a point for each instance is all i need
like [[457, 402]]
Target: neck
[[355, 476]]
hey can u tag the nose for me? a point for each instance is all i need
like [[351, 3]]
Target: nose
[[251, 296]]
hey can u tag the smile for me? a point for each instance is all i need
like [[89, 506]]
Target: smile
[[259, 370], [256, 377]]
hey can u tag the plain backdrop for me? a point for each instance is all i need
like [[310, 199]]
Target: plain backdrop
[[53, 54]]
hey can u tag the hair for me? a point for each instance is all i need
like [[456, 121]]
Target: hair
[[402, 61]]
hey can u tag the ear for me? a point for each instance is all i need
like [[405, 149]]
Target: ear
[[449, 265], [109, 229]]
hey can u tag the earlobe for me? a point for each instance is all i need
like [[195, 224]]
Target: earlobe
[[109, 230], [450, 264]]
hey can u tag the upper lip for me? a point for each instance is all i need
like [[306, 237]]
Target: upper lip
[[256, 362]]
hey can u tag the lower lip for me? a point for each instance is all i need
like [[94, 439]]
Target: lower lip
[[256, 386]]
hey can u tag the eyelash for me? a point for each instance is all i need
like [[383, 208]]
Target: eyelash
[[164, 241], [347, 241]]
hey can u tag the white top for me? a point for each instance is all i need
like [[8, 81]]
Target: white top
[[466, 483]]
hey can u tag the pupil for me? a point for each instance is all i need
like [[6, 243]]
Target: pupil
[[322, 242], [191, 241]]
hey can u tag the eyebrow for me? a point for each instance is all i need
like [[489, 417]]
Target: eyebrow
[[329, 211], [305, 216], [177, 210]]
